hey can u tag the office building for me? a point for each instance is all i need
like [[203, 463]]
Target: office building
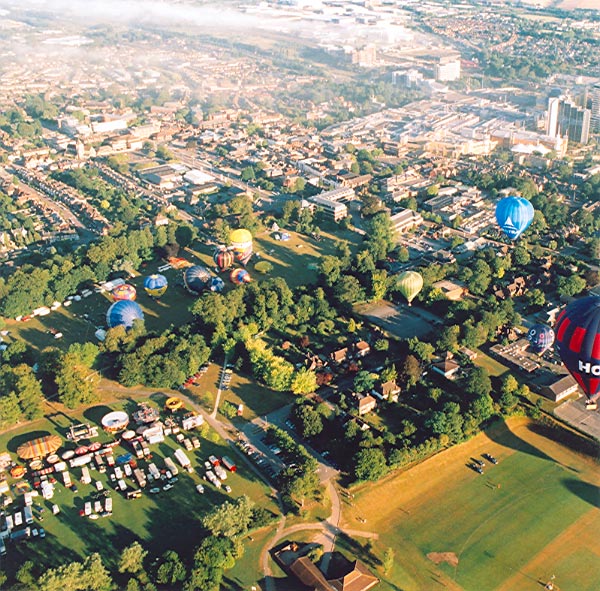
[[566, 118], [448, 68], [595, 96]]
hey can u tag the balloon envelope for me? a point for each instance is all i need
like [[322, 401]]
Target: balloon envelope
[[578, 343], [123, 313], [540, 337], [196, 279], [514, 214], [223, 258], [124, 292], [241, 244], [217, 284], [410, 284], [155, 285], [239, 276]]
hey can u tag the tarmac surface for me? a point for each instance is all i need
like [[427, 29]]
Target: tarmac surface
[[575, 413]]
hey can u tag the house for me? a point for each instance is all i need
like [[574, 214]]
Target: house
[[560, 387], [447, 366], [350, 575], [362, 349], [387, 391], [340, 355], [359, 578], [365, 403], [470, 355]]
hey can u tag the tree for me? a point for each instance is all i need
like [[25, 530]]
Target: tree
[[184, 235], [309, 420], [132, 558], [369, 464], [410, 370], [448, 339], [95, 576], [170, 569], [229, 519], [447, 421], [570, 286], [477, 382], [304, 381], [348, 290], [364, 381], [248, 174], [76, 383], [388, 373], [381, 239], [422, 350]]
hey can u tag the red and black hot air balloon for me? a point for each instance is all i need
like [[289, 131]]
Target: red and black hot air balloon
[[578, 343]]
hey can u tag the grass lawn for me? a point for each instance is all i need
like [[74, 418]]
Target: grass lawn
[[247, 570], [257, 400], [168, 520], [533, 515], [493, 367]]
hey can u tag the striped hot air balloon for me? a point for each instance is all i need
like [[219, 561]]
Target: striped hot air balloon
[[124, 292], [223, 258], [578, 343], [410, 284], [241, 243], [196, 279], [239, 276], [123, 313]]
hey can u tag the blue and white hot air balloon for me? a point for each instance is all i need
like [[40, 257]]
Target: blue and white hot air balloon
[[123, 313], [514, 215]]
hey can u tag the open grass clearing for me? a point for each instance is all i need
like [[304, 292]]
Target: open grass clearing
[[541, 490], [493, 367]]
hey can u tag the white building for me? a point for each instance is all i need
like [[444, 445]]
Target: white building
[[448, 68]]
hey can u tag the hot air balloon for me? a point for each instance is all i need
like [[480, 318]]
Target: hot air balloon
[[223, 258], [578, 343], [540, 337], [410, 284], [241, 243], [514, 214], [239, 276], [217, 284], [155, 285], [123, 292], [123, 313], [196, 279]]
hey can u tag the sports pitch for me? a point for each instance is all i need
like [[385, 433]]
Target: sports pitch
[[534, 515]]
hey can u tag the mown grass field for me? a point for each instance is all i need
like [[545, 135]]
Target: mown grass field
[[167, 520], [533, 515]]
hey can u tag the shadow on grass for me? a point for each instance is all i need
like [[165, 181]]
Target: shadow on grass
[[587, 492], [573, 441], [499, 433], [94, 414]]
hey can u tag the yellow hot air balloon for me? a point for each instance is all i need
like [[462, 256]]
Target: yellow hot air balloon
[[241, 243], [410, 284]]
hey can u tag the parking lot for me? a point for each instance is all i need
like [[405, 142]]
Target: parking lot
[[575, 413]]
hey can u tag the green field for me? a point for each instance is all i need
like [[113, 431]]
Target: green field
[[168, 520], [533, 515]]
